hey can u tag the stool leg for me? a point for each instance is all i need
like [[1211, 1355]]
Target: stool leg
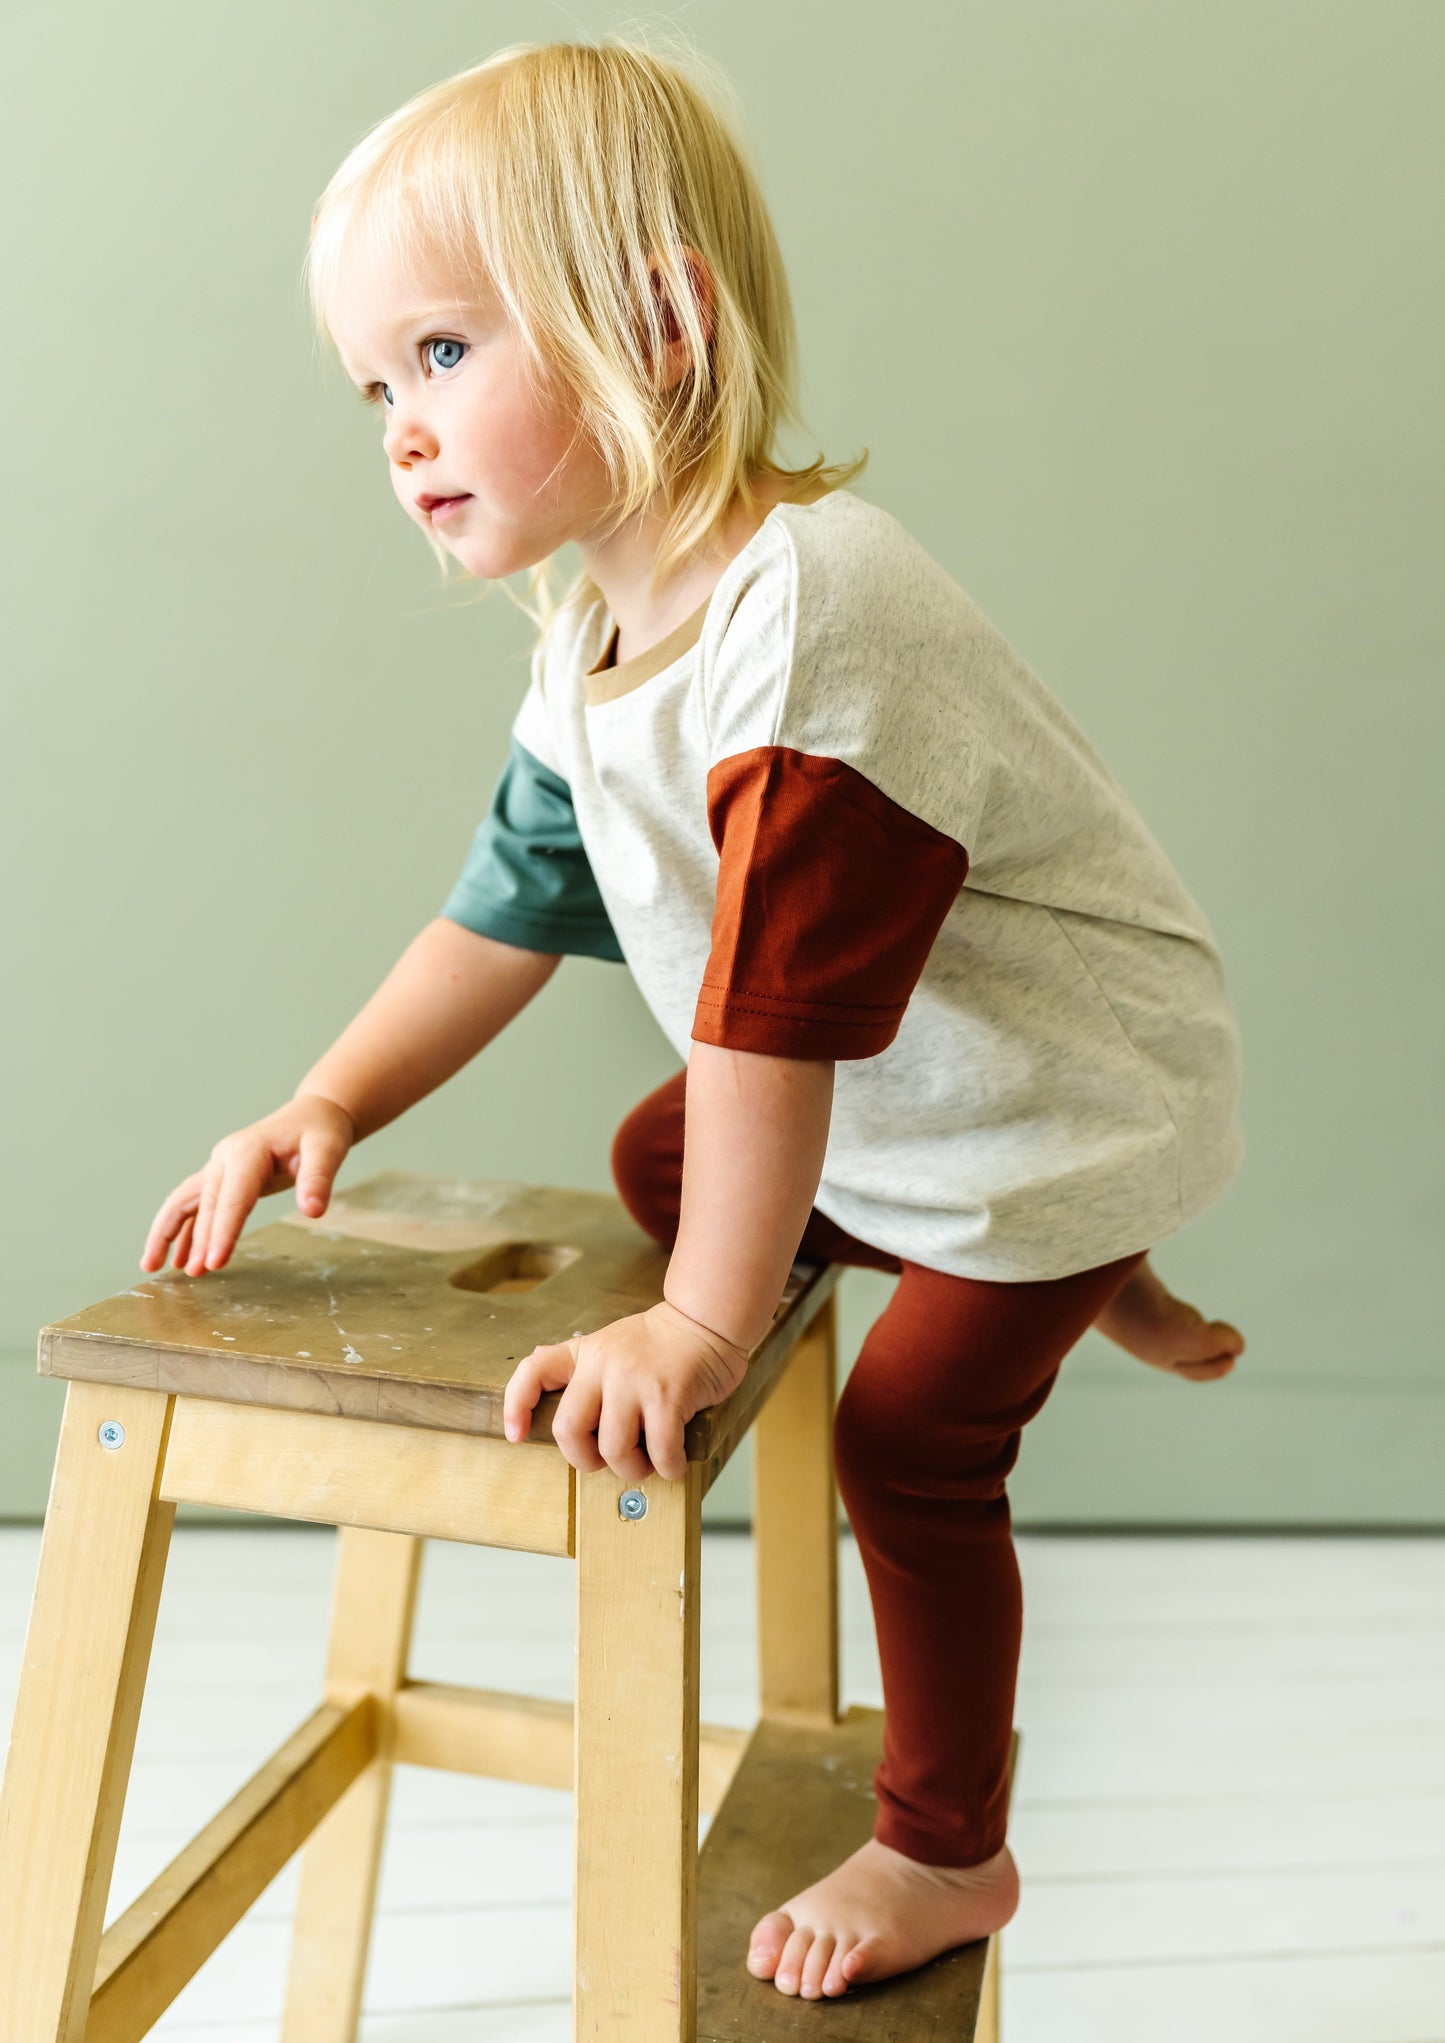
[[636, 1728], [795, 1532], [373, 1606], [82, 1678], [988, 2008]]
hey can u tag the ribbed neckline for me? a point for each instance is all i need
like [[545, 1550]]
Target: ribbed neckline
[[602, 683]]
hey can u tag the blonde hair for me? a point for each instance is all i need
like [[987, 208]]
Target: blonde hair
[[555, 171]]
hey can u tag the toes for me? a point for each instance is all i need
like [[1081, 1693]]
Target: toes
[[835, 1979], [816, 1965], [1207, 1341], [858, 1963], [1206, 1371], [766, 1947], [790, 1965], [1196, 1343]]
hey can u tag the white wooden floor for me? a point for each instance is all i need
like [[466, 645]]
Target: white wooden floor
[[1230, 1811]]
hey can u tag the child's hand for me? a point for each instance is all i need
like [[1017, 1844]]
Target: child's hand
[[304, 1142], [635, 1384]]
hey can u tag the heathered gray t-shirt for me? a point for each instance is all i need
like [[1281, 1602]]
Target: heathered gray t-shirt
[[834, 814]]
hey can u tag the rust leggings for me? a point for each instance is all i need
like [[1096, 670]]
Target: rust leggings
[[926, 1431]]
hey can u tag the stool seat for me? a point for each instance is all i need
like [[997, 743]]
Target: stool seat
[[350, 1371], [409, 1300]]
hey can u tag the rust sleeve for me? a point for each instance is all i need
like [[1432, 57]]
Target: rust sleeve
[[829, 898]]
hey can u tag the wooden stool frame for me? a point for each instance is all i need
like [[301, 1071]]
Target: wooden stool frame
[[392, 1457]]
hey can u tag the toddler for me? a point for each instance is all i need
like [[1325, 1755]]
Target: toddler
[[943, 1005]]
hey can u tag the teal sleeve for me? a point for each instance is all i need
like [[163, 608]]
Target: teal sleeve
[[527, 878]]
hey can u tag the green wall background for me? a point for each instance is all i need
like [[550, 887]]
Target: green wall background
[[1138, 308]]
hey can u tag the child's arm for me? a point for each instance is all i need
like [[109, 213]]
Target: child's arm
[[451, 991], [448, 995], [757, 1129]]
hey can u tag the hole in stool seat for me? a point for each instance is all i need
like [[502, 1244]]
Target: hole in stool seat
[[515, 1266]]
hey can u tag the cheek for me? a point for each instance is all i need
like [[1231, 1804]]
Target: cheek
[[501, 413], [537, 444], [550, 412]]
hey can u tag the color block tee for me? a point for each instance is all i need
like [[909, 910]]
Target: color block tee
[[835, 815]]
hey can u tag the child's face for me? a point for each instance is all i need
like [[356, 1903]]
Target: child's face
[[463, 417]]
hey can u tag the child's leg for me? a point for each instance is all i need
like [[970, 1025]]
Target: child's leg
[[927, 1430]]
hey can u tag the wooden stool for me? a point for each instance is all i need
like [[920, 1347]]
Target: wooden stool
[[350, 1371]]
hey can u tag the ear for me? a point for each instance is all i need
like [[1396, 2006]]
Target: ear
[[699, 278]]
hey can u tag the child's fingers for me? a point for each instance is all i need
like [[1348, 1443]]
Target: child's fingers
[[158, 1240], [665, 1441], [184, 1235], [620, 1438], [321, 1154], [196, 1261], [239, 1190], [575, 1422], [522, 1392], [171, 1215], [548, 1367]]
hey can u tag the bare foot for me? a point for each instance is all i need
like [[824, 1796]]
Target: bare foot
[[1147, 1320], [877, 1914]]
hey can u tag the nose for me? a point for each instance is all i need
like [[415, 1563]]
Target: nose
[[407, 437]]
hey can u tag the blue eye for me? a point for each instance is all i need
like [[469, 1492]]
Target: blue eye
[[372, 391]]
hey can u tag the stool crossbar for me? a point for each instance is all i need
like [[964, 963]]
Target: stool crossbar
[[350, 1371]]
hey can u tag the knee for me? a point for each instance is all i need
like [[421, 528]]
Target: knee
[[890, 1445], [871, 1444], [646, 1160], [865, 1433]]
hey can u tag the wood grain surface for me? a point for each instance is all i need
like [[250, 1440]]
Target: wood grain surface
[[410, 1301]]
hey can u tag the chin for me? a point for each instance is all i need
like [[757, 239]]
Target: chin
[[494, 562]]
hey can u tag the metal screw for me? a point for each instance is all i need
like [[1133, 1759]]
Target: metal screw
[[112, 1433], [632, 1504]]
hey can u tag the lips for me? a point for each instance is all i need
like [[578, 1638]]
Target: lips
[[425, 503]]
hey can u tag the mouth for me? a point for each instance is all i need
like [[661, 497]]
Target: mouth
[[441, 507]]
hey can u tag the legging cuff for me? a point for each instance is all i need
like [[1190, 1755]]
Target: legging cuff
[[953, 1847]]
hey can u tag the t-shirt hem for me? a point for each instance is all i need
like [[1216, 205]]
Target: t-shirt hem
[[1002, 1266], [757, 1026], [575, 938]]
